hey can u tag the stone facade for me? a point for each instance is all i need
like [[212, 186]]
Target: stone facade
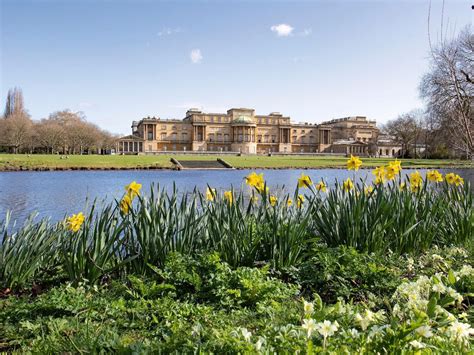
[[241, 130]]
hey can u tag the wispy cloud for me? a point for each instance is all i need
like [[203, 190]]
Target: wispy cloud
[[306, 32], [282, 30], [169, 31], [196, 56]]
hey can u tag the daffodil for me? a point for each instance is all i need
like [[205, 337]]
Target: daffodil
[[450, 178], [396, 165], [133, 189], [310, 326], [75, 222], [254, 179], [273, 200], [254, 199], [368, 190], [210, 193], [327, 329], [348, 185], [300, 200], [229, 197], [424, 331], [261, 187], [289, 202], [402, 186], [304, 181], [125, 204], [354, 163], [391, 172], [416, 181], [321, 186], [379, 174], [434, 176], [458, 180], [308, 307]]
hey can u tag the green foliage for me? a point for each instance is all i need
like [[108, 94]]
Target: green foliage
[[190, 305]]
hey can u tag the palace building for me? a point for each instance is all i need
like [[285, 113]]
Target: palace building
[[240, 130]]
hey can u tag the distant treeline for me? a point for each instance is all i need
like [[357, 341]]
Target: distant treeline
[[64, 132]]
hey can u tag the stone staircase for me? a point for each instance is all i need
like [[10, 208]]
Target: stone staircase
[[200, 164]]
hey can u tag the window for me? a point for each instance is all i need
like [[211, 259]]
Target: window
[[150, 135], [293, 139], [210, 137], [184, 136], [226, 137], [163, 136], [259, 138], [219, 137], [273, 139], [211, 119], [173, 128], [294, 131], [174, 136], [302, 131], [219, 119], [163, 127]]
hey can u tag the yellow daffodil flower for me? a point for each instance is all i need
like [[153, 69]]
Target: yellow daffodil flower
[[126, 204], [416, 181], [273, 200], [368, 189], [210, 193], [434, 176], [133, 189], [75, 222], [229, 197], [348, 185], [379, 174], [289, 202], [396, 164], [402, 186], [391, 172], [261, 187], [254, 179], [300, 200], [458, 180], [450, 178], [304, 181], [354, 163], [321, 186]]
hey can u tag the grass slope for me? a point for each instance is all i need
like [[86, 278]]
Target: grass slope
[[22, 161]]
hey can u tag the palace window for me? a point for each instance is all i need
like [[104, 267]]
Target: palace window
[[150, 135], [163, 136], [273, 139], [210, 137], [259, 138], [174, 136], [219, 137], [184, 136]]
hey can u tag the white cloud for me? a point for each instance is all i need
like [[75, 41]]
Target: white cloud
[[196, 56], [282, 30], [169, 31]]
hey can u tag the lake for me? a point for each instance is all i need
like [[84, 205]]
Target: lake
[[58, 193]]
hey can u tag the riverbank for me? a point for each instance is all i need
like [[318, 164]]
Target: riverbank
[[23, 162]]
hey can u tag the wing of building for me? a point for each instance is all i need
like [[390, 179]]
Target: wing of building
[[240, 130]]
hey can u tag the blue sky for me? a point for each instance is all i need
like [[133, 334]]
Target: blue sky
[[119, 61]]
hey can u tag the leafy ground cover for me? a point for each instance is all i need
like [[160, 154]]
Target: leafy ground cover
[[37, 161], [355, 268]]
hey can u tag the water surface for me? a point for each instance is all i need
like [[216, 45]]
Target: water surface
[[57, 193]]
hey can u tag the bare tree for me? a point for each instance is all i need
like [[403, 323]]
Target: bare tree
[[449, 90], [16, 131], [406, 129], [14, 103]]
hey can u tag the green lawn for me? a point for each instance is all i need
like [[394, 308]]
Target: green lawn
[[17, 161]]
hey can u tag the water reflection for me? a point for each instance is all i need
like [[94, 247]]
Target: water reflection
[[55, 194]]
